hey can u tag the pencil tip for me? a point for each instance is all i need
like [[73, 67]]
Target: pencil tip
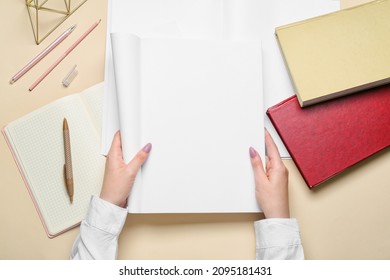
[[12, 81]]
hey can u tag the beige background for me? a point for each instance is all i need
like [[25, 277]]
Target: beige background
[[346, 218]]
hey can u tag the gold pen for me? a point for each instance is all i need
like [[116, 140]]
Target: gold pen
[[68, 174]]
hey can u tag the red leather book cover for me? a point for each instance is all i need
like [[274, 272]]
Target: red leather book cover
[[327, 138]]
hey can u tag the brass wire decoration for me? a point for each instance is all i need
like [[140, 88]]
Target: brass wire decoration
[[33, 6]]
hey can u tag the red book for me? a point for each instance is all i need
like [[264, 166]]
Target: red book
[[325, 139]]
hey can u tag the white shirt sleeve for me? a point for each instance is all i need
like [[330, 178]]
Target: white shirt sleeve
[[278, 239], [99, 232]]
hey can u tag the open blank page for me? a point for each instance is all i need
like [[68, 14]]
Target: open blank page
[[227, 19], [201, 106]]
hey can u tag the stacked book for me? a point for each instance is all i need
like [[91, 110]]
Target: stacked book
[[339, 66]]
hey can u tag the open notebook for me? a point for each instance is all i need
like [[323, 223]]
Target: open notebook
[[200, 103], [36, 142]]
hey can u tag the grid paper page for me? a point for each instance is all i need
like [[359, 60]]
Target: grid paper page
[[37, 143]]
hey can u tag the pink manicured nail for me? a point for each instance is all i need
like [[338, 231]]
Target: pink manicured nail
[[147, 148], [252, 152]]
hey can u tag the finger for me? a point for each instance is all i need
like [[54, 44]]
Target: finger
[[267, 165], [257, 165], [116, 146], [273, 152], [140, 158]]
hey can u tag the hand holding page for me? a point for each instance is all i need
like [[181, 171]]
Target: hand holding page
[[200, 104]]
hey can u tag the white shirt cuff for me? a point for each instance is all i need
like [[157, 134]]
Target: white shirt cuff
[[106, 216], [277, 232]]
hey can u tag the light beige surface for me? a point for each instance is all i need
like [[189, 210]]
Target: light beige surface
[[346, 218]]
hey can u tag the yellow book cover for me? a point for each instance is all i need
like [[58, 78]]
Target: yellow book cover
[[338, 53]]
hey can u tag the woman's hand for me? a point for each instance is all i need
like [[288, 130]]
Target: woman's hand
[[119, 176], [271, 184]]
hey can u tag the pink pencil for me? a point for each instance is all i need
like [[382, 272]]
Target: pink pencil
[[39, 57], [68, 51]]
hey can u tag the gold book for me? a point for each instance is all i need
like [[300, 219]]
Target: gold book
[[338, 53]]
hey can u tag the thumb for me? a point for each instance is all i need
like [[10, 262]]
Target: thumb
[[116, 147], [139, 159], [257, 165]]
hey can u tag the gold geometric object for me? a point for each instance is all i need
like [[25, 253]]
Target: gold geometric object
[[34, 9]]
